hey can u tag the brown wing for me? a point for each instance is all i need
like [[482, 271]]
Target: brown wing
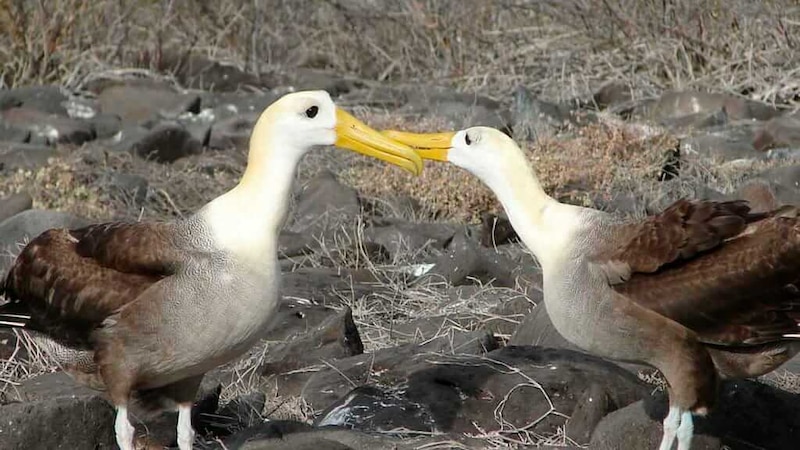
[[68, 282], [143, 248], [683, 230], [729, 275]]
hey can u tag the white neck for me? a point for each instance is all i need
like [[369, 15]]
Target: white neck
[[247, 219], [543, 224]]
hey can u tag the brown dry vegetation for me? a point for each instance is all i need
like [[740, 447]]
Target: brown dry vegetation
[[561, 48]]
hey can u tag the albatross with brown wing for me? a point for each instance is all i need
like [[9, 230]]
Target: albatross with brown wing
[[702, 291], [151, 307]]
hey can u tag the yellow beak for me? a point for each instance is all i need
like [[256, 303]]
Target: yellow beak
[[354, 135], [434, 146]]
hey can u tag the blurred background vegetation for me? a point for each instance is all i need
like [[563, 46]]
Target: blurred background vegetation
[[560, 48]]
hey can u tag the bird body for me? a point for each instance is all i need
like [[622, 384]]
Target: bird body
[[703, 290], [148, 308]]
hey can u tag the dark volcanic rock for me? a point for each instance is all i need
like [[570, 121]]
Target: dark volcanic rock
[[464, 261], [317, 439], [496, 230], [399, 236], [106, 125], [240, 413], [533, 117], [771, 189], [618, 202], [58, 423], [233, 132], [697, 120], [291, 244], [335, 338], [386, 366], [748, 415], [783, 131], [395, 205], [288, 435], [31, 223], [199, 72], [726, 143], [265, 434], [526, 388], [612, 94], [322, 284], [7, 348], [674, 104], [47, 99], [223, 105], [537, 329], [158, 428], [324, 203], [14, 204], [372, 408], [306, 79], [11, 133], [15, 156], [139, 103], [46, 128], [296, 316], [49, 386], [166, 142], [460, 109]]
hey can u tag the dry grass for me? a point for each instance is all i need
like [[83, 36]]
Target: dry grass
[[27, 361], [245, 378], [560, 48], [81, 182], [783, 379]]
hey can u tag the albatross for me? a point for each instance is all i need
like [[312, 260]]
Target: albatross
[[702, 291], [148, 308]]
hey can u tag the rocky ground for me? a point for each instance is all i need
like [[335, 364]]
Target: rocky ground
[[405, 322], [411, 316]]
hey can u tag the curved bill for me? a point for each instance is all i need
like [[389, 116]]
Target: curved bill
[[354, 135], [434, 146]]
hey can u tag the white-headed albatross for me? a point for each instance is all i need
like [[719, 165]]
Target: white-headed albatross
[[702, 291], [138, 308]]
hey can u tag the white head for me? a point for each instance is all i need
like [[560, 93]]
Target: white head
[[545, 225], [245, 219], [299, 121], [486, 152]]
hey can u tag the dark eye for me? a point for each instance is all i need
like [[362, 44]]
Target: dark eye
[[467, 139], [312, 112]]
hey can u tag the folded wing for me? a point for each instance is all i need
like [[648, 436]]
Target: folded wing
[[727, 274], [64, 283]]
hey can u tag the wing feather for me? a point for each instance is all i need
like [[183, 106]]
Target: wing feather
[[682, 231], [729, 275], [68, 281]]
